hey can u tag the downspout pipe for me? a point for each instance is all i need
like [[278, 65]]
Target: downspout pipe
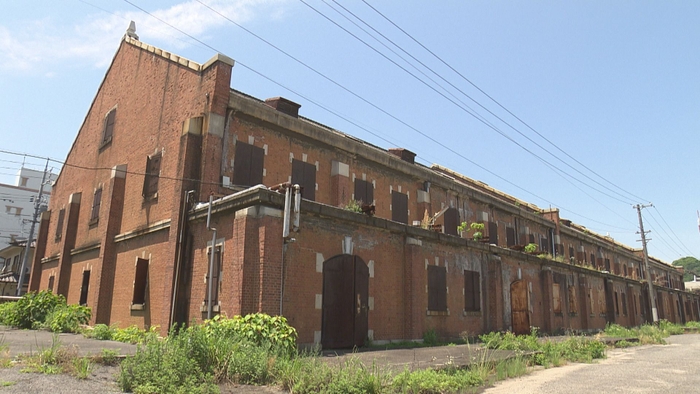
[[180, 251], [211, 259]]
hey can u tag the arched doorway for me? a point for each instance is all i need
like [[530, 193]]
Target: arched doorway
[[345, 294], [520, 315]]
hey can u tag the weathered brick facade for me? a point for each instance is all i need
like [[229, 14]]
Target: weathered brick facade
[[180, 134]]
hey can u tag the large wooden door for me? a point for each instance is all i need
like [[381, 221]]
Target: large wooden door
[[520, 315], [345, 294]]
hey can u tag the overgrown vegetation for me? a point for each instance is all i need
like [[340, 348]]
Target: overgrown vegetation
[[130, 334], [646, 334], [547, 352], [44, 310]]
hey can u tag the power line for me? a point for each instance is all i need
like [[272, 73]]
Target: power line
[[463, 108], [371, 104], [496, 102], [673, 238]]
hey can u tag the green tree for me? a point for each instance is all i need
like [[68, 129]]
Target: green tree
[[691, 265]]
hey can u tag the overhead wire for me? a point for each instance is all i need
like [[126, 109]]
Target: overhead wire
[[498, 103], [468, 110], [362, 99]]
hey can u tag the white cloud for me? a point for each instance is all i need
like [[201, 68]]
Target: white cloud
[[94, 41]]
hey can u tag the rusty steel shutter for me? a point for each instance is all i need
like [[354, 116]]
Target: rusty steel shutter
[[242, 164], [510, 236], [556, 298], [451, 221], [84, 288], [399, 207], [59, 224], [437, 288], [364, 192], [472, 293], [304, 174], [257, 162], [493, 232], [109, 125], [96, 202], [140, 280], [150, 184]]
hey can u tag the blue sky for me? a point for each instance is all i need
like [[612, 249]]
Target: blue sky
[[615, 85]]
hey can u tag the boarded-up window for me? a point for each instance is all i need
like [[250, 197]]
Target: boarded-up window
[[617, 305], [437, 288], [573, 306], [51, 280], [624, 270], [304, 175], [624, 303], [399, 207], [96, 202], [556, 298], [493, 233], [248, 165], [591, 300], [364, 191], [84, 288], [571, 252], [451, 221], [472, 291], [592, 261], [109, 126], [510, 236], [150, 182], [531, 238], [607, 265], [140, 281], [59, 224], [215, 278]]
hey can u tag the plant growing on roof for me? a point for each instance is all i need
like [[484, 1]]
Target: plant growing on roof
[[353, 206], [530, 248]]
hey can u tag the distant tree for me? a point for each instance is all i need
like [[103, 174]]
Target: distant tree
[[691, 265]]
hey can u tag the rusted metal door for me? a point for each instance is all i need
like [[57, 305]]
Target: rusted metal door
[[345, 295], [520, 315], [361, 298]]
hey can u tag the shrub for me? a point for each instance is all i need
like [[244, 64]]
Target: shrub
[[132, 334], [102, 332], [67, 318], [430, 337], [32, 309], [257, 328]]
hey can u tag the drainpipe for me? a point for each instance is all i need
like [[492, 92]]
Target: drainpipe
[[179, 247], [285, 228], [211, 258]]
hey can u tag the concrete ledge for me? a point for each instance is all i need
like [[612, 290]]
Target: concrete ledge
[[158, 226]]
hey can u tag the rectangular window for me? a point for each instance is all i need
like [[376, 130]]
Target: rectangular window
[[624, 269], [15, 264], [304, 175], [573, 305], [51, 279], [544, 245], [364, 192], [593, 259], [556, 298], [399, 207], [493, 232], [472, 291], [216, 275], [617, 306], [140, 282], [624, 304], [84, 288], [109, 126], [59, 224], [571, 252], [607, 265], [510, 236], [531, 238], [23, 181], [96, 202], [451, 221], [592, 300], [248, 165], [150, 181], [437, 288]]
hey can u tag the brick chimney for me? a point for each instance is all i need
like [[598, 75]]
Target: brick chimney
[[403, 154], [285, 106]]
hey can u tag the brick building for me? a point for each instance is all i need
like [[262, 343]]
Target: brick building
[[127, 232]]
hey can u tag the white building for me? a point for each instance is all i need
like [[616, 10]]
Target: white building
[[17, 204]]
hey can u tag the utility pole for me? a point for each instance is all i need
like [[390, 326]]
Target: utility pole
[[652, 298], [37, 206]]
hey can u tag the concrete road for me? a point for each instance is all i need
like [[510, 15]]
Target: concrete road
[[673, 368]]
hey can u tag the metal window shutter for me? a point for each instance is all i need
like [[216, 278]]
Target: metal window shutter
[[510, 236], [477, 291], [96, 202], [242, 164], [451, 221], [309, 182], [109, 125], [140, 280], [399, 207], [493, 232], [257, 162]]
